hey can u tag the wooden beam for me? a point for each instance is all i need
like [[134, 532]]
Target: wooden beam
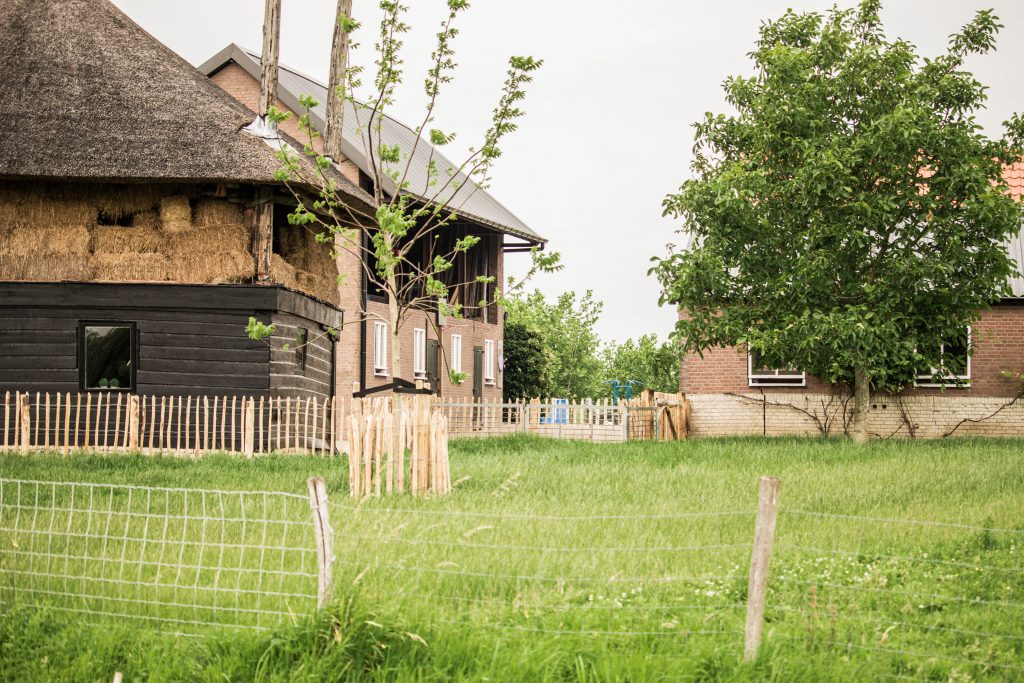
[[336, 83], [260, 222], [271, 50]]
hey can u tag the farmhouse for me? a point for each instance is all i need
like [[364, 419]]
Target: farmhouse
[[472, 344], [132, 255], [732, 393]]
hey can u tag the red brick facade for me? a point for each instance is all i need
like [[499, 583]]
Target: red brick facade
[[998, 341]]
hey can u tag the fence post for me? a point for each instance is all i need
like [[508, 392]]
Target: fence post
[[248, 425], [324, 539], [625, 421], [133, 423], [761, 555], [26, 423]]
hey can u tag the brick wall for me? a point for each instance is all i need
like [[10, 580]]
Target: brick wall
[[723, 403]]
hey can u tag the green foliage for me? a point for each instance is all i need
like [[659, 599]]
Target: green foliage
[[391, 623], [850, 213], [259, 331], [526, 361], [567, 328], [655, 365], [456, 377]]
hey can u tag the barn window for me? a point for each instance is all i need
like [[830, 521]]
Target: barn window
[[761, 375], [301, 347], [419, 353], [954, 364], [380, 349], [107, 356], [489, 361]]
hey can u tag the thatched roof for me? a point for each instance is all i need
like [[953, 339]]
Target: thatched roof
[[90, 95]]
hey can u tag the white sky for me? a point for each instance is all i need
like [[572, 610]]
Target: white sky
[[608, 127]]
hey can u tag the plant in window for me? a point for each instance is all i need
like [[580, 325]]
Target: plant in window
[[456, 377]]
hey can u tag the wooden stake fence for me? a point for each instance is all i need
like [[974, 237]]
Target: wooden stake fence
[[760, 558], [180, 425], [382, 431]]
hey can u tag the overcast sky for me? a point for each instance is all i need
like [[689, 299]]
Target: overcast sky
[[608, 128]]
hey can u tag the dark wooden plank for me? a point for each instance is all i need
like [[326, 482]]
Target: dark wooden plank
[[61, 362], [222, 367], [204, 379], [140, 295], [198, 341], [40, 349], [251, 355]]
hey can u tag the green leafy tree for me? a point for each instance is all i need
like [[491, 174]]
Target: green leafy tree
[[526, 362], [567, 328], [391, 244], [848, 216], [654, 365]]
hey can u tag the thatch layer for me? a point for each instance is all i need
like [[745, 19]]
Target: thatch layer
[[127, 267]]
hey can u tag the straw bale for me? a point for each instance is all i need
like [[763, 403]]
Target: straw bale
[[114, 239], [216, 212], [320, 287], [52, 267], [283, 272], [224, 237], [146, 219], [175, 214], [212, 267], [41, 241], [131, 267]]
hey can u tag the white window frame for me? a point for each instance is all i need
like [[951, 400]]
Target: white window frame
[[380, 349], [488, 361], [419, 353], [947, 381], [456, 359], [773, 379]]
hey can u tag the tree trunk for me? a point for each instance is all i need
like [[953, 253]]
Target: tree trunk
[[268, 60], [861, 404], [396, 339]]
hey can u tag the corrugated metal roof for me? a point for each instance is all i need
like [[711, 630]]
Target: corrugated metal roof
[[473, 202]]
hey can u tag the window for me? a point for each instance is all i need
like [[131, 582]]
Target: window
[[954, 364], [456, 359], [301, 346], [419, 353], [760, 375], [106, 356], [488, 361], [380, 349]]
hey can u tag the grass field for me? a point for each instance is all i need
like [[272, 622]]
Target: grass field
[[569, 561]]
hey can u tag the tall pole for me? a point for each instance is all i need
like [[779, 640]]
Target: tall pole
[[336, 82], [271, 52]]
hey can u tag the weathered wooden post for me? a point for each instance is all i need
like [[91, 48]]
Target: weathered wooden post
[[324, 539], [26, 423], [248, 425], [133, 423], [761, 555]]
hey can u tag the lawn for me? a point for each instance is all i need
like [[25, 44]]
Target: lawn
[[569, 561]]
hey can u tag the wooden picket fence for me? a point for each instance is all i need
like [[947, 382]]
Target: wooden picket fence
[[381, 430], [192, 425]]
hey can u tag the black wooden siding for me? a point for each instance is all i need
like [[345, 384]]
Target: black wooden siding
[[191, 340]]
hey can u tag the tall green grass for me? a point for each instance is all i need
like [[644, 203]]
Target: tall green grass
[[570, 561]]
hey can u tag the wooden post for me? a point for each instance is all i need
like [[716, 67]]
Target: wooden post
[[324, 539], [764, 535], [248, 431], [336, 83], [26, 423], [133, 423]]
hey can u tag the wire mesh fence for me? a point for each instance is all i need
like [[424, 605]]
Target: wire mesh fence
[[180, 559]]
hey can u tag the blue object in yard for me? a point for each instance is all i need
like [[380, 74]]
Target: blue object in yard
[[558, 413], [625, 387]]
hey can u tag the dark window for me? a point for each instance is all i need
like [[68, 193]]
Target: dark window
[[761, 374], [107, 356], [301, 346], [954, 369]]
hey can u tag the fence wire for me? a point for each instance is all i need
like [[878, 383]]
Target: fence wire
[[182, 559]]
